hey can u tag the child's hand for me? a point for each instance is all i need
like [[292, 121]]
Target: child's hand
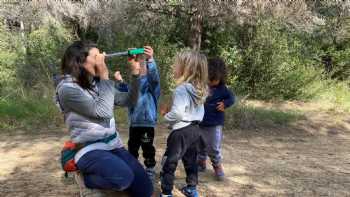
[[164, 108], [148, 52], [221, 106], [118, 76]]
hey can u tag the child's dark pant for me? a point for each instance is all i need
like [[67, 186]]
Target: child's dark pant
[[181, 144], [142, 137]]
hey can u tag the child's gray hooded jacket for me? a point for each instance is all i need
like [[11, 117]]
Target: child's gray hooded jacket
[[186, 107]]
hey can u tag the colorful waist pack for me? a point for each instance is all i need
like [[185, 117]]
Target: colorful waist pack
[[70, 149]]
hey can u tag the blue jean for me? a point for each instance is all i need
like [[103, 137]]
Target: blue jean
[[213, 138], [115, 170]]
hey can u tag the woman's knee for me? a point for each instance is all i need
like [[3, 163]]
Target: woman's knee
[[123, 180]]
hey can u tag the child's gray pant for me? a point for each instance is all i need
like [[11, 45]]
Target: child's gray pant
[[213, 138]]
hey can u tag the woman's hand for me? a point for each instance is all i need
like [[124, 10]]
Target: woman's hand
[[134, 66], [101, 68]]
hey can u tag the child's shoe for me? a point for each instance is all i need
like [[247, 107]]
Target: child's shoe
[[190, 191], [219, 172], [202, 165], [151, 172]]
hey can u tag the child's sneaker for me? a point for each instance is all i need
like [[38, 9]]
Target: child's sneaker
[[219, 172], [202, 165], [151, 174], [190, 191]]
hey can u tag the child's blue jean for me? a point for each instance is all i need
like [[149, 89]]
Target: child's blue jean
[[116, 170], [213, 138]]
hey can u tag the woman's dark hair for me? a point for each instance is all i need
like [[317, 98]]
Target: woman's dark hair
[[217, 70], [73, 60]]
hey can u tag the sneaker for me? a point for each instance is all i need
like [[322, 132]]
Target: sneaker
[[202, 165], [151, 174], [219, 172], [83, 190], [190, 191]]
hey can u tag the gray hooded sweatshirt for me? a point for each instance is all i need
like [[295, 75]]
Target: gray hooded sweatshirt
[[186, 107], [89, 113]]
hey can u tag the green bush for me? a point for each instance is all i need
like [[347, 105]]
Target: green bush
[[341, 64], [11, 53], [28, 112], [269, 63], [45, 46]]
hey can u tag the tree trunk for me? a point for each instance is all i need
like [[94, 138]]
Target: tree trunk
[[196, 23], [23, 37]]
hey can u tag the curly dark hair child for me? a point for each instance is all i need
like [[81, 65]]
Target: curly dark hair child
[[217, 70]]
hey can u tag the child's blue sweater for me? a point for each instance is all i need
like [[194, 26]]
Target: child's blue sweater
[[144, 113], [213, 117]]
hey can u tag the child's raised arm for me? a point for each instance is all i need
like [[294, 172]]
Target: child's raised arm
[[119, 83], [130, 97], [152, 72]]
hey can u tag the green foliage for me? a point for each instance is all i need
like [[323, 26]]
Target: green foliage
[[25, 62], [45, 46], [341, 64], [269, 59], [121, 117], [28, 112], [10, 54], [165, 53], [334, 94], [330, 44], [244, 116], [268, 63]]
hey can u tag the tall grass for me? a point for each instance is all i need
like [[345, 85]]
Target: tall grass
[[246, 116], [28, 113], [333, 95]]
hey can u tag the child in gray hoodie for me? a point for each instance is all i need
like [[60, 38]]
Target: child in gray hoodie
[[187, 110]]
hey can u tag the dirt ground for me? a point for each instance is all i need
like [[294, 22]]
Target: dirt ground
[[310, 157]]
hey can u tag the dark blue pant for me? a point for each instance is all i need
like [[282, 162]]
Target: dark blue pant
[[181, 144], [117, 170]]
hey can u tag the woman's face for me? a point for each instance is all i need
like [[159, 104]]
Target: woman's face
[[90, 62]]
